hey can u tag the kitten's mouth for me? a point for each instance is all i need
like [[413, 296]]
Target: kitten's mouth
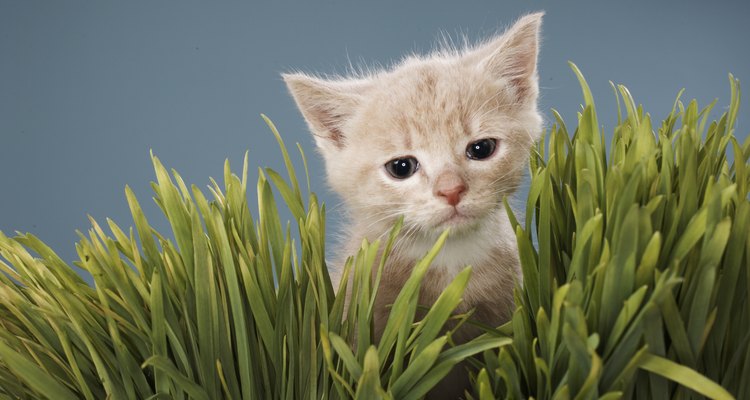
[[455, 219]]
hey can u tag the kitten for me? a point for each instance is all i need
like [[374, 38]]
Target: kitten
[[437, 140]]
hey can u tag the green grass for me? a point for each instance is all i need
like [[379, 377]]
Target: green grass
[[639, 285], [637, 288]]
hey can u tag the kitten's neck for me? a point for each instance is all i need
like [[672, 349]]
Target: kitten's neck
[[491, 239]]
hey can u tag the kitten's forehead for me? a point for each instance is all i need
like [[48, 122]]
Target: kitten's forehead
[[423, 99]]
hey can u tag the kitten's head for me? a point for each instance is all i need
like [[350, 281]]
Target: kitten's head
[[438, 139]]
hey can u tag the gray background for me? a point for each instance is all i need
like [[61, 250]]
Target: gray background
[[87, 88]]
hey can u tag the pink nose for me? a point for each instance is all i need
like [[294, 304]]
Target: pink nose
[[453, 194]]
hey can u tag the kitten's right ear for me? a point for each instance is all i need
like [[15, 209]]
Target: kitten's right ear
[[326, 105]]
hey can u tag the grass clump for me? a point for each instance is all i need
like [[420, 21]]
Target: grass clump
[[233, 307], [636, 266], [638, 287]]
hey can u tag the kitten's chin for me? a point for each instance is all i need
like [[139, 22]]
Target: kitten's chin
[[457, 221]]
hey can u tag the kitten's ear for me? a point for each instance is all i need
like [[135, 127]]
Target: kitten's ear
[[513, 56], [326, 105]]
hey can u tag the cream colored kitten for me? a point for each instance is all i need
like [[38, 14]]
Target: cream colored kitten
[[437, 140]]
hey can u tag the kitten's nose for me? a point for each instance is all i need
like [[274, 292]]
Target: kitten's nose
[[453, 195], [451, 187]]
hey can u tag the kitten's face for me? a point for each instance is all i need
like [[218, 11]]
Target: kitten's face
[[438, 141]]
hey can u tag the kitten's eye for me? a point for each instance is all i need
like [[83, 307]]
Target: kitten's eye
[[481, 149], [402, 168]]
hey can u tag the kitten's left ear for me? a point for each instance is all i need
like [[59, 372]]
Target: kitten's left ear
[[513, 56]]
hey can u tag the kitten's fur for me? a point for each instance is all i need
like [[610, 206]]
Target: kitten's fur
[[432, 108]]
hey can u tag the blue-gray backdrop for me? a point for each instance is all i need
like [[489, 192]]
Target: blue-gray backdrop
[[87, 88]]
